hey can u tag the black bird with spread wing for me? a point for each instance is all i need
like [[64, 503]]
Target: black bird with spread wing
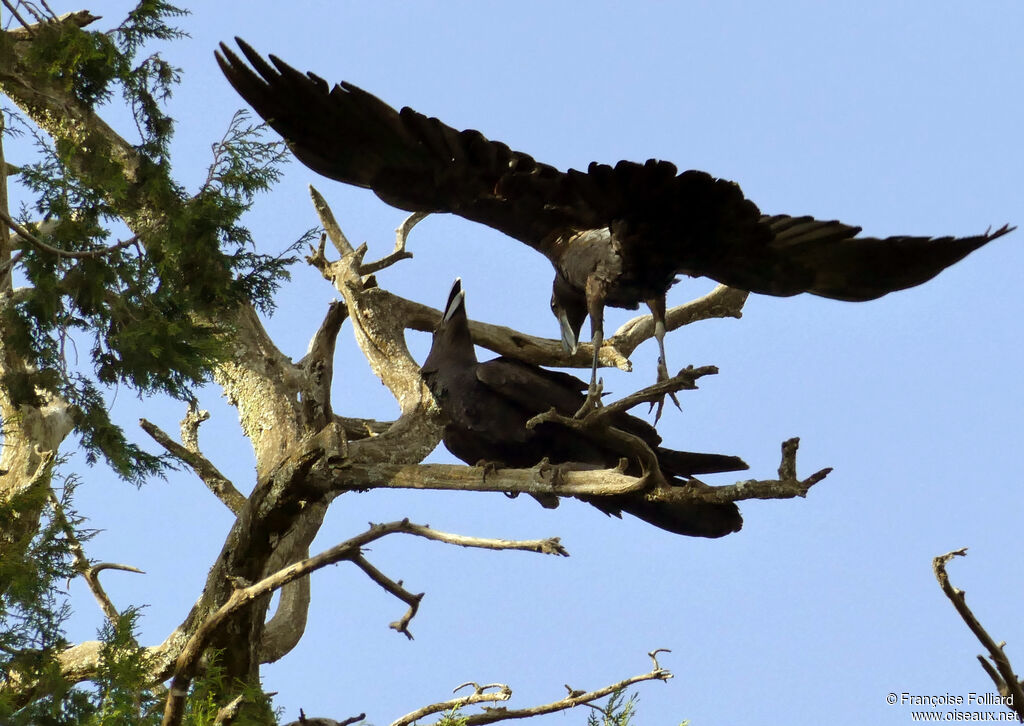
[[488, 404], [616, 235]]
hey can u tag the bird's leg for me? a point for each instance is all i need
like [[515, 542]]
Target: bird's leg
[[657, 306], [593, 400], [595, 391]]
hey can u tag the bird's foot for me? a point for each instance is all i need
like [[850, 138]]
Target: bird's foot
[[549, 474], [593, 400], [660, 402], [489, 467]]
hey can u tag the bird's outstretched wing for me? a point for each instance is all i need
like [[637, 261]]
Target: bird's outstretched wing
[[829, 259], [409, 160], [417, 163]]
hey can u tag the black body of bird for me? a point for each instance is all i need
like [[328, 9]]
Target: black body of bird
[[616, 235], [488, 404]]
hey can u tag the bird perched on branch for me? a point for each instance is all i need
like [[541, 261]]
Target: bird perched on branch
[[616, 235], [488, 404]]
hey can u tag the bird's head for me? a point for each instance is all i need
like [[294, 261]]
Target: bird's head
[[569, 305], [452, 343]]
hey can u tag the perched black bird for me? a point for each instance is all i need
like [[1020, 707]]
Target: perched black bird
[[616, 235], [488, 405]]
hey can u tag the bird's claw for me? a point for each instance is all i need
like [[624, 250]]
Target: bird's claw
[[593, 399], [660, 402]]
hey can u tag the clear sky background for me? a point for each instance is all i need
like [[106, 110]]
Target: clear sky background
[[901, 117]]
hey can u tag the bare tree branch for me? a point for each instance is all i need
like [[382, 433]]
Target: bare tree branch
[[80, 18], [685, 380], [194, 418], [396, 589], [56, 251], [318, 367], [285, 629], [1006, 681], [576, 480], [787, 486], [378, 325], [722, 302], [13, 10], [400, 253], [543, 480], [216, 482], [491, 715], [595, 421], [480, 694], [89, 571], [243, 595]]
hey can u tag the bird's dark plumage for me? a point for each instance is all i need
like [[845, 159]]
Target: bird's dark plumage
[[488, 405], [616, 235]]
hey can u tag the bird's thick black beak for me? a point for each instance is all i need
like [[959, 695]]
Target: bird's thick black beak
[[456, 300], [569, 340]]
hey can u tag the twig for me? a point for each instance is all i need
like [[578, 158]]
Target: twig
[[400, 253], [396, 589], [331, 226], [627, 444], [49, 249], [597, 421], [685, 380], [13, 11], [786, 486], [48, 9], [653, 655], [190, 426], [10, 263], [361, 428], [491, 715], [480, 694], [1006, 681], [33, 12], [88, 571]]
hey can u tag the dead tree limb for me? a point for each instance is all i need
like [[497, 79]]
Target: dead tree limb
[[243, 595], [216, 482], [1002, 675], [483, 694]]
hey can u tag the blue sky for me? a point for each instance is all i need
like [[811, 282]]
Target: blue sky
[[901, 117]]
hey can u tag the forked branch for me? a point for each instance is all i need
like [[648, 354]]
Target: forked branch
[[787, 486], [56, 251], [216, 482], [484, 694], [596, 423], [89, 571], [1006, 681], [400, 253], [351, 549]]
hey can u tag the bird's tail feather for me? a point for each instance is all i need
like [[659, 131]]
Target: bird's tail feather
[[693, 519], [688, 463]]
